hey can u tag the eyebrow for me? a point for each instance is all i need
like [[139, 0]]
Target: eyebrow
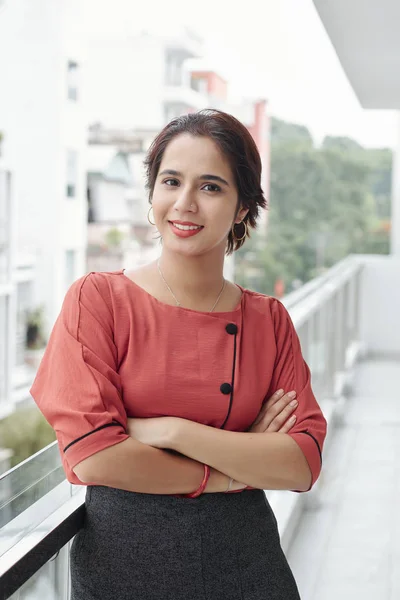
[[206, 176]]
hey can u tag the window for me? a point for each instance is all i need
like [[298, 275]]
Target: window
[[173, 69], [72, 80], [199, 84], [70, 267], [169, 113], [172, 111], [72, 161]]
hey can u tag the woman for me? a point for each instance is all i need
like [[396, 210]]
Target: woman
[[163, 385]]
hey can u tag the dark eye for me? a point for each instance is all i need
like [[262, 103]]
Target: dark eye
[[211, 187], [171, 182]]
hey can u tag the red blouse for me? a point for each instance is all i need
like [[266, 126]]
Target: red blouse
[[116, 352]]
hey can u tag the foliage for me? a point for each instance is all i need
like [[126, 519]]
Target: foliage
[[380, 167], [114, 237], [283, 132], [325, 203], [25, 432], [340, 144]]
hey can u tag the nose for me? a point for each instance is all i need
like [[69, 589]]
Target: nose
[[185, 200]]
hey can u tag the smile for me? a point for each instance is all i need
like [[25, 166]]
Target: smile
[[181, 230], [186, 227]]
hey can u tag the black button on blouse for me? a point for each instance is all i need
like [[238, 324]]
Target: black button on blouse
[[226, 388], [231, 328]]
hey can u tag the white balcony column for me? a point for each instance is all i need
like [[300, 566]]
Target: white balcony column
[[395, 227]]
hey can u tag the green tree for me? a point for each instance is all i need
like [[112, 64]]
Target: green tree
[[25, 432], [342, 144], [283, 132], [324, 204]]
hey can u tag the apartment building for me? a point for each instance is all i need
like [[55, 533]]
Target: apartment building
[[140, 80], [7, 288], [137, 84], [44, 132]]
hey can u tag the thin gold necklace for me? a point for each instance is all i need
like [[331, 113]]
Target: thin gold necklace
[[176, 299]]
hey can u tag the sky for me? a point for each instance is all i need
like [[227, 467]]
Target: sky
[[275, 49]]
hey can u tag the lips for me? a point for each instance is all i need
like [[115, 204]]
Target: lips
[[184, 229], [184, 225]]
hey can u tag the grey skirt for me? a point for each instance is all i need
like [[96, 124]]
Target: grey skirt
[[152, 547]]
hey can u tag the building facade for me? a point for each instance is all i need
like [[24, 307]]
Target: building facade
[[140, 80], [44, 132], [128, 105], [7, 288]]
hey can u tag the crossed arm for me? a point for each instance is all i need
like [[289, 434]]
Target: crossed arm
[[260, 460], [264, 457], [79, 390]]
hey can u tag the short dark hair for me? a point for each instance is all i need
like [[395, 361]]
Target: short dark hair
[[235, 142]]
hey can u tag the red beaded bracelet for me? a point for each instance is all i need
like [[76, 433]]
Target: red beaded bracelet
[[202, 485]]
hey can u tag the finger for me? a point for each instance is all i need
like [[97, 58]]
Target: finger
[[283, 415], [288, 425], [267, 405], [274, 417], [274, 398], [271, 416]]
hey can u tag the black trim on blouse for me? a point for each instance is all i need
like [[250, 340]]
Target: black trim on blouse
[[114, 423], [318, 446], [232, 329]]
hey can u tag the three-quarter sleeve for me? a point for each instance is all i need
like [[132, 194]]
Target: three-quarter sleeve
[[292, 373], [77, 387]]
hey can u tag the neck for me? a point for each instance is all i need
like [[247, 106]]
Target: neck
[[193, 278]]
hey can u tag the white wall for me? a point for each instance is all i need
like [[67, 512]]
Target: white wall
[[380, 304]]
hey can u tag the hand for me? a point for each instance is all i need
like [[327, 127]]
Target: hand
[[274, 415], [155, 431]]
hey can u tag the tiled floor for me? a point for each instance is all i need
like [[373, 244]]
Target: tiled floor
[[348, 547]]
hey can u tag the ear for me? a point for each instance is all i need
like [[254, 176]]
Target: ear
[[241, 215]]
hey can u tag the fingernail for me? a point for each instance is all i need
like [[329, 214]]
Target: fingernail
[[292, 419], [292, 394], [293, 403], [279, 392]]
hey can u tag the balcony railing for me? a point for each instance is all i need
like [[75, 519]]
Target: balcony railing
[[40, 512]]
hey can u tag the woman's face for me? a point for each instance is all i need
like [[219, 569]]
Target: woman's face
[[195, 196]]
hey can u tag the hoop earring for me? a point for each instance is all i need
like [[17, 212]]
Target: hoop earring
[[245, 231], [148, 216]]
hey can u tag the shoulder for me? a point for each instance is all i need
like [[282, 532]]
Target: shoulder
[[278, 323], [266, 305], [270, 312], [90, 302], [94, 286]]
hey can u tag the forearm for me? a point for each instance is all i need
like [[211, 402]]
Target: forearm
[[136, 467], [260, 460]]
